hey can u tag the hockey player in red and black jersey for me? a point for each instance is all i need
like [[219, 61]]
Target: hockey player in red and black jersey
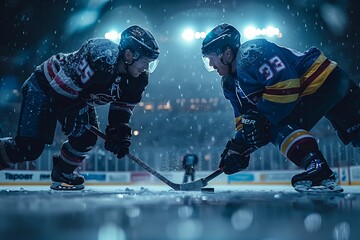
[[67, 87], [278, 95]]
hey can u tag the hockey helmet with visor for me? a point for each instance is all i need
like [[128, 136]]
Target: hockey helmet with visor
[[142, 44], [220, 38]]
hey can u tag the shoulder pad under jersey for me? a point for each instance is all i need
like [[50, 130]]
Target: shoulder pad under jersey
[[250, 51], [103, 51]]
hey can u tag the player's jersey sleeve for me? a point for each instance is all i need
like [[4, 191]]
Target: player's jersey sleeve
[[130, 94], [274, 78]]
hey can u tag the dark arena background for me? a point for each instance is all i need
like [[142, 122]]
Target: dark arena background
[[182, 110]]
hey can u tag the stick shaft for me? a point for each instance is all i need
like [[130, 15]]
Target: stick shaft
[[153, 172], [212, 176], [137, 160], [196, 185]]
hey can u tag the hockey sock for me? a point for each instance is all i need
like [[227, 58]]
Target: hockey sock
[[71, 158], [297, 145]]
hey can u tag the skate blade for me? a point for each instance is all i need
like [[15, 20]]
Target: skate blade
[[66, 187], [319, 189]]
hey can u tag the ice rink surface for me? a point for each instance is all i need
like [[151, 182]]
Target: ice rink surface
[[157, 212]]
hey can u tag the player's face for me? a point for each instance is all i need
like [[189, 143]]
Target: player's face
[[143, 64], [214, 62]]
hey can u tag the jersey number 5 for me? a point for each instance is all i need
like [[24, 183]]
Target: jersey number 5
[[85, 71], [275, 63]]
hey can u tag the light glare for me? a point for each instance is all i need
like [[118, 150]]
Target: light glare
[[113, 36], [270, 31], [188, 35]]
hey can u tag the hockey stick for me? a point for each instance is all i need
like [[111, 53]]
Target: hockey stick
[[191, 186]]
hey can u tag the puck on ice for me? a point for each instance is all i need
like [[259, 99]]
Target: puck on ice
[[207, 189]]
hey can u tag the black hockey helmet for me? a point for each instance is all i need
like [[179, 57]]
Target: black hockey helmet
[[140, 41], [219, 38]]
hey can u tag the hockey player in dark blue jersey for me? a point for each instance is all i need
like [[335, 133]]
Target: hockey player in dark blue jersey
[[189, 161], [278, 95], [67, 87]]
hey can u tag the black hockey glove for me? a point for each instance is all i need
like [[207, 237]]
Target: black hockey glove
[[73, 121], [118, 139], [235, 157], [255, 129]]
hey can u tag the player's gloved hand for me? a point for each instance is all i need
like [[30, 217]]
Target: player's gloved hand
[[73, 121], [255, 129], [235, 157], [118, 139]]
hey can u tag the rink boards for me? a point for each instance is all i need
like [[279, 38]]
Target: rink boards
[[346, 176]]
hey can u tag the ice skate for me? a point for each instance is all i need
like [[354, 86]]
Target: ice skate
[[318, 178], [65, 181]]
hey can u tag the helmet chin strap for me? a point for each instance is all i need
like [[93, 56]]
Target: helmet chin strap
[[126, 65], [227, 64]]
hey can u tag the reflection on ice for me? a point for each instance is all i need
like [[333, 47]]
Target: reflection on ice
[[111, 231], [242, 219], [185, 229], [341, 231], [312, 222], [185, 212], [159, 213]]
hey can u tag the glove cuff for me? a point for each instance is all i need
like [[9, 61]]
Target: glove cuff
[[237, 145], [122, 129]]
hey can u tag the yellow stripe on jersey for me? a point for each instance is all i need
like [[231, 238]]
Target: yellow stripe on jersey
[[283, 92], [316, 75], [238, 124]]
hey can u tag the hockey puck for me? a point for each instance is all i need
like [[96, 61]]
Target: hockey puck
[[207, 189]]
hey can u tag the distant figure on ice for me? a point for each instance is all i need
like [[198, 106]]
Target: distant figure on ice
[[67, 87], [278, 95], [189, 161]]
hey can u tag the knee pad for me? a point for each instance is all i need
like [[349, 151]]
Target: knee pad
[[84, 143], [23, 149]]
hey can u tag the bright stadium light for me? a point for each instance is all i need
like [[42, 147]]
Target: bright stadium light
[[200, 35], [188, 34], [271, 31], [135, 132], [197, 35], [252, 32], [113, 36]]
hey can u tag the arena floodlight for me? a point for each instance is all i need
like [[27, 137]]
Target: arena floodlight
[[197, 35], [113, 36], [270, 31], [250, 32], [188, 34]]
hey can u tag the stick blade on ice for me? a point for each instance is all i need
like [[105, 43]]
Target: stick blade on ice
[[192, 186]]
